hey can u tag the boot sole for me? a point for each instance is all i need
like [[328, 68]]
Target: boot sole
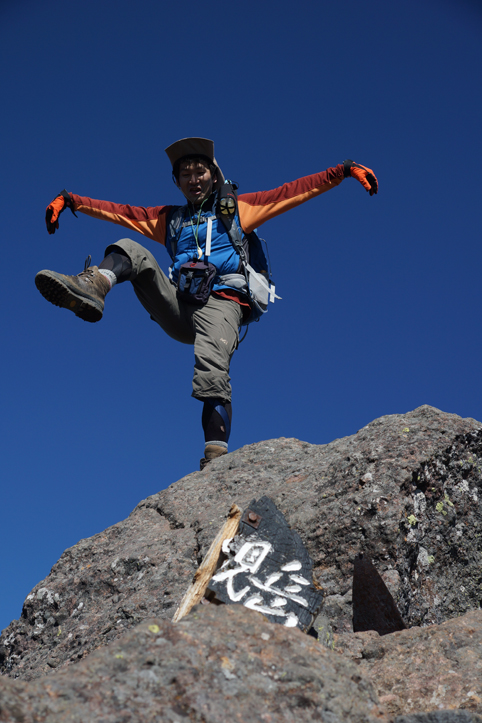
[[59, 292]]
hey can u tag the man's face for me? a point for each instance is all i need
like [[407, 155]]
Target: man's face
[[195, 181]]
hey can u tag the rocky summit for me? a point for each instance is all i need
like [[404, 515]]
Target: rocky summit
[[95, 639]]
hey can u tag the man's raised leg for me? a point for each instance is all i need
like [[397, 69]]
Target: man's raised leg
[[125, 260]]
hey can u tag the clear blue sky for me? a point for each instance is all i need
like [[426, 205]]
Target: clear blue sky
[[381, 296]]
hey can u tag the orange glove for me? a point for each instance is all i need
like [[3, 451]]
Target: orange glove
[[54, 209], [363, 174]]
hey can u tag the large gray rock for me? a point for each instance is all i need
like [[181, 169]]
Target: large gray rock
[[422, 669], [218, 664], [405, 490]]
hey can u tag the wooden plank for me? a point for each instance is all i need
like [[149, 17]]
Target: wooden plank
[[207, 568]]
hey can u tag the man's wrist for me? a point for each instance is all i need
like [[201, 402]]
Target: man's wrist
[[346, 168]]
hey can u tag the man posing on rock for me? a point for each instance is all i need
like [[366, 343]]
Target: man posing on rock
[[206, 299]]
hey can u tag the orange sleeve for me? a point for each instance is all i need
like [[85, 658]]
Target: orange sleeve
[[150, 222], [256, 208]]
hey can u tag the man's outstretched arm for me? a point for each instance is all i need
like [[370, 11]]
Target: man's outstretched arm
[[257, 208], [150, 221]]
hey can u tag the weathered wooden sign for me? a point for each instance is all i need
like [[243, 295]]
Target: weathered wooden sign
[[263, 566], [268, 569]]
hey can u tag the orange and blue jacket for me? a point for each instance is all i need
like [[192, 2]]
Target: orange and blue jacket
[[254, 209]]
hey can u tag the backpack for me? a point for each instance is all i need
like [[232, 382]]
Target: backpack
[[255, 268]]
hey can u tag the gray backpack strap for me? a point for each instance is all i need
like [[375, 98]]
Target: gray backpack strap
[[174, 227], [235, 237], [259, 288]]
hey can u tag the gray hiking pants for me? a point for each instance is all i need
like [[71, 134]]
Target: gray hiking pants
[[213, 328]]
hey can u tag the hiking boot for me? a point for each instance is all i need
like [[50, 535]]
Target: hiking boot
[[83, 294], [212, 451]]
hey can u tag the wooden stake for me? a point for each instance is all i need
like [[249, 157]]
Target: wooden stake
[[207, 568]]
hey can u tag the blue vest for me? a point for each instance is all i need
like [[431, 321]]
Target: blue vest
[[181, 243]]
